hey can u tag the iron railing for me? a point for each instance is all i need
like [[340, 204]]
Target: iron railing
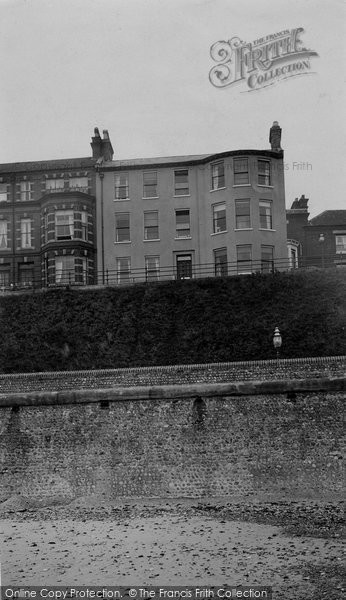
[[113, 277]]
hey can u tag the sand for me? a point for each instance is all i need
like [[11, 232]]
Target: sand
[[170, 544]]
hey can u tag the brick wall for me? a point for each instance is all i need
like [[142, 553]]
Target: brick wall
[[181, 447]]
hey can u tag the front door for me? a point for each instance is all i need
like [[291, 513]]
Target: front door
[[184, 266]]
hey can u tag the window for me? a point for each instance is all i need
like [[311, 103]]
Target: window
[[53, 185], [184, 266], [219, 218], [64, 226], [123, 270], [293, 258], [151, 225], [25, 233], [267, 259], [80, 270], [3, 192], [70, 270], [181, 182], [121, 186], [4, 279], [217, 175], [266, 217], [220, 262], [241, 171], [242, 214], [340, 243], [84, 225], [3, 234], [244, 259], [25, 188], [79, 183], [264, 175], [122, 227], [150, 184], [152, 268], [64, 270], [26, 276], [182, 223]]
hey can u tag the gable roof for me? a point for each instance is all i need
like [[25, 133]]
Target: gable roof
[[330, 217]]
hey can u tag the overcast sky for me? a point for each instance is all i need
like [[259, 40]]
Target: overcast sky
[[140, 68]]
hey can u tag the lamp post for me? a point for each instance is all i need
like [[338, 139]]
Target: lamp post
[[321, 241], [277, 341]]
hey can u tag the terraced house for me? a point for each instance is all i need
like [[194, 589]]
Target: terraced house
[[191, 216], [96, 220]]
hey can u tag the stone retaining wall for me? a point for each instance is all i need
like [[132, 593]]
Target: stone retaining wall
[[206, 430], [213, 447]]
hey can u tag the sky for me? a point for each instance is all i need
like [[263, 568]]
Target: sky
[[140, 68]]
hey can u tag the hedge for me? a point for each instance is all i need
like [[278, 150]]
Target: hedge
[[206, 320]]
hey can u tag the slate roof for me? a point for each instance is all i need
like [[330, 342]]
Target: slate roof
[[329, 217], [133, 163], [44, 165], [158, 161]]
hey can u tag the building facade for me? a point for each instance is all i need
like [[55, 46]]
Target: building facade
[[321, 241], [96, 220], [191, 216], [47, 221]]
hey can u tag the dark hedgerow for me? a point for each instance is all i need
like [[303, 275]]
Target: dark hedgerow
[[207, 320]]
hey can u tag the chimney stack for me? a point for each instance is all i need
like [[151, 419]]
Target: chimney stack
[[102, 148], [275, 137], [96, 144], [107, 148]]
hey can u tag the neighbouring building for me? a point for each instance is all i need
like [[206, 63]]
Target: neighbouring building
[[191, 216], [325, 240], [320, 241], [297, 218], [47, 221]]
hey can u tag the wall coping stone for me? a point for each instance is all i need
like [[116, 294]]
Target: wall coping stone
[[174, 392]]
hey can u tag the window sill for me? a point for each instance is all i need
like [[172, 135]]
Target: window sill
[[63, 241], [120, 199], [218, 189], [265, 186], [219, 232], [150, 197], [244, 229], [153, 240], [127, 242], [241, 185], [266, 229], [181, 195], [183, 237]]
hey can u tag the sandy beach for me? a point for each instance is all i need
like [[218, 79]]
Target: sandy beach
[[177, 543]]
